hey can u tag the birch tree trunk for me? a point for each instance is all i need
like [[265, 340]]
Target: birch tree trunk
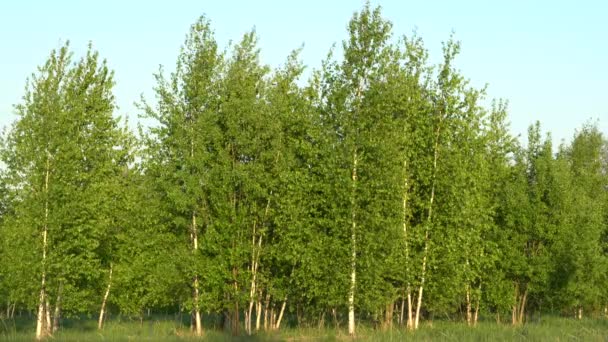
[[278, 324], [197, 312], [42, 329], [476, 315], [408, 293], [255, 262], [426, 233], [47, 316], [469, 312], [258, 314], [102, 312], [57, 313], [353, 261]]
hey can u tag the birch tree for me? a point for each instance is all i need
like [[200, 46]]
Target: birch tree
[[62, 156], [178, 147]]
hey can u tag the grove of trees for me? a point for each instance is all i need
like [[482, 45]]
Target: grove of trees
[[380, 191]]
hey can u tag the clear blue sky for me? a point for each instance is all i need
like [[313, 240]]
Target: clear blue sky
[[548, 58]]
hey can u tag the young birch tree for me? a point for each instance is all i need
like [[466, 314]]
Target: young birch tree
[[62, 156]]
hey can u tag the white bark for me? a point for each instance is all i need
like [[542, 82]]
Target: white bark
[[426, 233], [42, 329], [410, 323], [353, 261], [410, 308], [258, 315], [47, 316], [469, 312], [57, 313], [102, 312], [197, 312], [278, 324]]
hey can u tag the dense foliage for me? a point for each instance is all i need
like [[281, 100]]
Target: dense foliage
[[380, 191]]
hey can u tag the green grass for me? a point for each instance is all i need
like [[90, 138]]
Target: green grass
[[550, 329]]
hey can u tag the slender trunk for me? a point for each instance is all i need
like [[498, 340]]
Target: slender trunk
[[266, 306], [102, 312], [410, 308], [353, 261], [334, 315], [401, 311], [253, 270], [388, 316], [13, 311], [322, 320], [515, 305], [410, 322], [273, 317], [235, 311], [42, 330], [196, 296], [255, 261], [427, 228], [580, 312], [419, 303], [476, 315], [278, 324], [194, 236], [57, 314], [469, 312], [522, 307], [514, 314], [40, 326], [477, 301], [258, 315], [47, 316]]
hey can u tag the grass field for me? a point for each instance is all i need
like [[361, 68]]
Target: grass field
[[549, 329]]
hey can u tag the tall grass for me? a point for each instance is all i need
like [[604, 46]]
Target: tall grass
[[166, 329]]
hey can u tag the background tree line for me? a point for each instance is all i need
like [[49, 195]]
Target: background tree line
[[382, 190]]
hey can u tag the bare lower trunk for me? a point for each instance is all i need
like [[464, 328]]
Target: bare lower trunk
[[57, 314], [266, 307], [427, 228], [42, 329], [522, 308], [255, 254], [422, 280], [469, 312], [102, 312], [258, 315], [418, 306], [580, 312], [410, 316], [476, 315], [321, 324], [519, 307], [401, 311], [198, 323], [47, 316], [353, 260], [278, 324], [408, 295], [273, 317], [388, 316]]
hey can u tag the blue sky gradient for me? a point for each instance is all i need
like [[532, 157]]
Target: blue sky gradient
[[547, 58]]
